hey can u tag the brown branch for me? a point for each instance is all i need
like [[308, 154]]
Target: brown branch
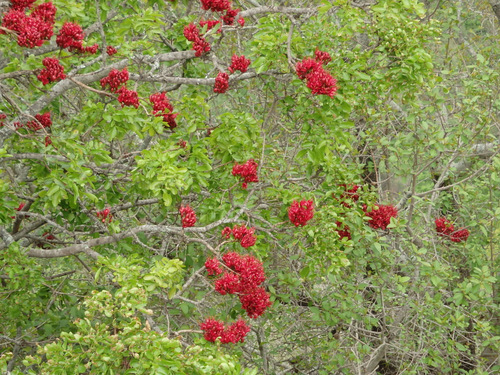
[[85, 247], [278, 9], [15, 74]]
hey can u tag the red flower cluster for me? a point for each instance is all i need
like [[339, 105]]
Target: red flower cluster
[[244, 279], [70, 36], [343, 230], [230, 15], [110, 50], [188, 216], [236, 332], [350, 193], [92, 49], [210, 25], [160, 104], [247, 171], [240, 63], [200, 45], [31, 30], [255, 303], [105, 215], [182, 143], [446, 228], [114, 79], [40, 122], [52, 72], [241, 233], [460, 235], [443, 226], [318, 80], [128, 97], [213, 329], [381, 217], [301, 213], [45, 12], [216, 5], [221, 6], [21, 4], [323, 57], [212, 266], [19, 208], [221, 83]]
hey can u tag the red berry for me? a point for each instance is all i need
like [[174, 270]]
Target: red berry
[[110, 50], [52, 72], [70, 36], [301, 213], [240, 63], [188, 216]]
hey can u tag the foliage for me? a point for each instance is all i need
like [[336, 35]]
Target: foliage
[[319, 139]]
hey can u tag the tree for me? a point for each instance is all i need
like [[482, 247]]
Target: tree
[[226, 187]]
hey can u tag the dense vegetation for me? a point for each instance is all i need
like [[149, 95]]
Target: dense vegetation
[[256, 187]]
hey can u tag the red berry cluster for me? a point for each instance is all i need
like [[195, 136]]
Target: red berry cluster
[[21, 4], [110, 50], [70, 36], [443, 226], [210, 25], [240, 63], [31, 30], [301, 213], [241, 21], [241, 233], [48, 141], [128, 97], [446, 228], [343, 230], [381, 215], [160, 105], [247, 171], [2, 117], [229, 17], [105, 215], [216, 5], [221, 6], [351, 192], [40, 122], [92, 49], [318, 79], [460, 235], [214, 329], [115, 79], [188, 216], [244, 279], [182, 143], [213, 266], [323, 57], [200, 45], [47, 236], [45, 12], [19, 208], [52, 72], [221, 83]]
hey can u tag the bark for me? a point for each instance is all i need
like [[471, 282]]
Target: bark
[[495, 5]]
